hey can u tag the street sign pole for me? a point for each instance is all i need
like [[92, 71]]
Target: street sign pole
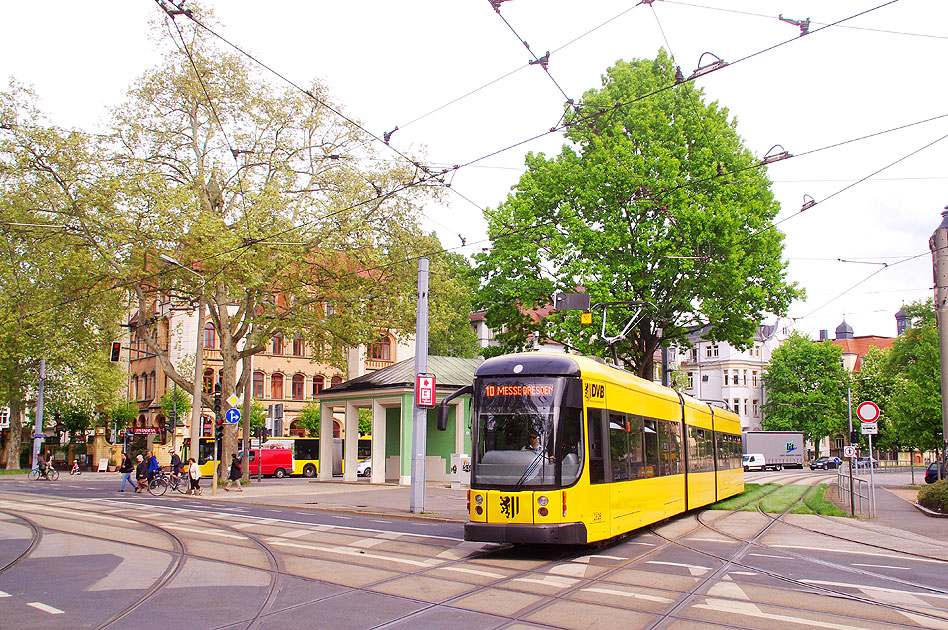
[[872, 485], [38, 425], [852, 497], [420, 423]]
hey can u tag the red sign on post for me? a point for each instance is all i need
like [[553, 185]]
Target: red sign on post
[[868, 411], [425, 390]]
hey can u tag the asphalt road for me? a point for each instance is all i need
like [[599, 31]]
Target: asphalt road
[[77, 555]]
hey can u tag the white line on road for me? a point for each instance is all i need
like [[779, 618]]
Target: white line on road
[[344, 518], [355, 553], [4, 594], [45, 608], [861, 553], [765, 555], [694, 569], [751, 610], [881, 566], [609, 591]]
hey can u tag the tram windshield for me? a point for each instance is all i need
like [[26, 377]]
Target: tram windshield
[[524, 437]]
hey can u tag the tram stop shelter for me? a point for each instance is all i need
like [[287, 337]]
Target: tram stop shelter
[[390, 395]]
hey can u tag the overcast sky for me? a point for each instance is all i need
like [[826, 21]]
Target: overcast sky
[[403, 63]]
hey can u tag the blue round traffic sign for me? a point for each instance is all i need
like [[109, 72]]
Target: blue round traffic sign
[[232, 416]]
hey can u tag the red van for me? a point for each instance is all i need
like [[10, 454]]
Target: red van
[[274, 461]]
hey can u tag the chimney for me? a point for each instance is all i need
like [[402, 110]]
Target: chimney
[[824, 335]]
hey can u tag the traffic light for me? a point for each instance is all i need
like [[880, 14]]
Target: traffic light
[[116, 351], [219, 429], [169, 424], [854, 437], [217, 404]]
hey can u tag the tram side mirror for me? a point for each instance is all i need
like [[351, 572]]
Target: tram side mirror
[[443, 409], [443, 412]]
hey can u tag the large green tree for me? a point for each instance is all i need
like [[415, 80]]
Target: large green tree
[[654, 199], [286, 211], [914, 363], [805, 387], [56, 300], [874, 382]]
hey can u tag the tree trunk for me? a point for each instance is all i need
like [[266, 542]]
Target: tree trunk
[[11, 455]]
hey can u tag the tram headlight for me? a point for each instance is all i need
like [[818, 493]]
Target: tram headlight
[[542, 511], [478, 500], [542, 501], [478, 510]]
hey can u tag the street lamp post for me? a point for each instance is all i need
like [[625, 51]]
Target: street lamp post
[[938, 244], [196, 403]]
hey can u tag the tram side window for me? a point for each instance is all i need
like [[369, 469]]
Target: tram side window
[[670, 438], [700, 450], [652, 460], [625, 447]]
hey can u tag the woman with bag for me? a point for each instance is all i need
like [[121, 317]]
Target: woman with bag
[[235, 474], [194, 477]]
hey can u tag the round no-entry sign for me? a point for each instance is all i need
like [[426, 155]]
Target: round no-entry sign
[[868, 411]]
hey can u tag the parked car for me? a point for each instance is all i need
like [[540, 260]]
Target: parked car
[[931, 475], [864, 462], [365, 468], [824, 463]]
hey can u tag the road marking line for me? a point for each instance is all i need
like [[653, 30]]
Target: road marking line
[[861, 553], [345, 518], [878, 589], [296, 533], [764, 555], [743, 573], [45, 608], [694, 569], [881, 566], [650, 598], [207, 532], [4, 594], [549, 580], [728, 589], [473, 572], [751, 610], [355, 553], [714, 540], [586, 559]]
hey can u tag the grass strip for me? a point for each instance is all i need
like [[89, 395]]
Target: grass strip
[[14, 471], [752, 493], [815, 500], [782, 498]]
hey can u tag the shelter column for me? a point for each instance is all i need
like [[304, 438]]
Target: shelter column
[[459, 424], [378, 442], [325, 441], [350, 459]]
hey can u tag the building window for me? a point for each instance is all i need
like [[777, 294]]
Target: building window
[[691, 380], [208, 381], [714, 350], [694, 354], [335, 381], [725, 377], [149, 386], [744, 377], [840, 443], [734, 378], [134, 388], [754, 378], [298, 347], [319, 383], [276, 387], [737, 406], [745, 407], [258, 385], [381, 350], [755, 408], [297, 387], [277, 344], [210, 336]]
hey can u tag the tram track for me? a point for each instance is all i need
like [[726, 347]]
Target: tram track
[[36, 537], [736, 559]]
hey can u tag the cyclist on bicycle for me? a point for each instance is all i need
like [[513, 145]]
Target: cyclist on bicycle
[[176, 464], [154, 467], [42, 465]]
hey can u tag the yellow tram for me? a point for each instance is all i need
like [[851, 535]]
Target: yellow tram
[[569, 450]]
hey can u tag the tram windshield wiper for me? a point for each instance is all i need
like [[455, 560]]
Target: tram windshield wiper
[[534, 467]]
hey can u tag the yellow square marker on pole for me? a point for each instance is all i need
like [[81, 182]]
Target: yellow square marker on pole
[[585, 318]]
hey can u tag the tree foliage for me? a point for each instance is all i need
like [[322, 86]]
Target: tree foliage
[[875, 383], [653, 200], [56, 299], [914, 364], [806, 389]]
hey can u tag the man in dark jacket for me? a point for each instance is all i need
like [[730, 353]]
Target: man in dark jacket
[[126, 470], [141, 473]]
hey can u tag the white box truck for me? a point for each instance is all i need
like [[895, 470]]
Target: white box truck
[[781, 449]]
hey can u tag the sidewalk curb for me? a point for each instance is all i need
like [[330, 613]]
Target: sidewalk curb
[[930, 513]]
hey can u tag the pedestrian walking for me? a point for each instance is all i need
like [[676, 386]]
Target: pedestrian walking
[[126, 469], [235, 474], [141, 473], [194, 477]]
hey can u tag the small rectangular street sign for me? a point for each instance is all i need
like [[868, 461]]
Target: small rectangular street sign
[[425, 390], [870, 428]]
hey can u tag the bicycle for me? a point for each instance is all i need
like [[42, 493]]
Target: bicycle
[[50, 475], [75, 469], [178, 483], [158, 484]]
